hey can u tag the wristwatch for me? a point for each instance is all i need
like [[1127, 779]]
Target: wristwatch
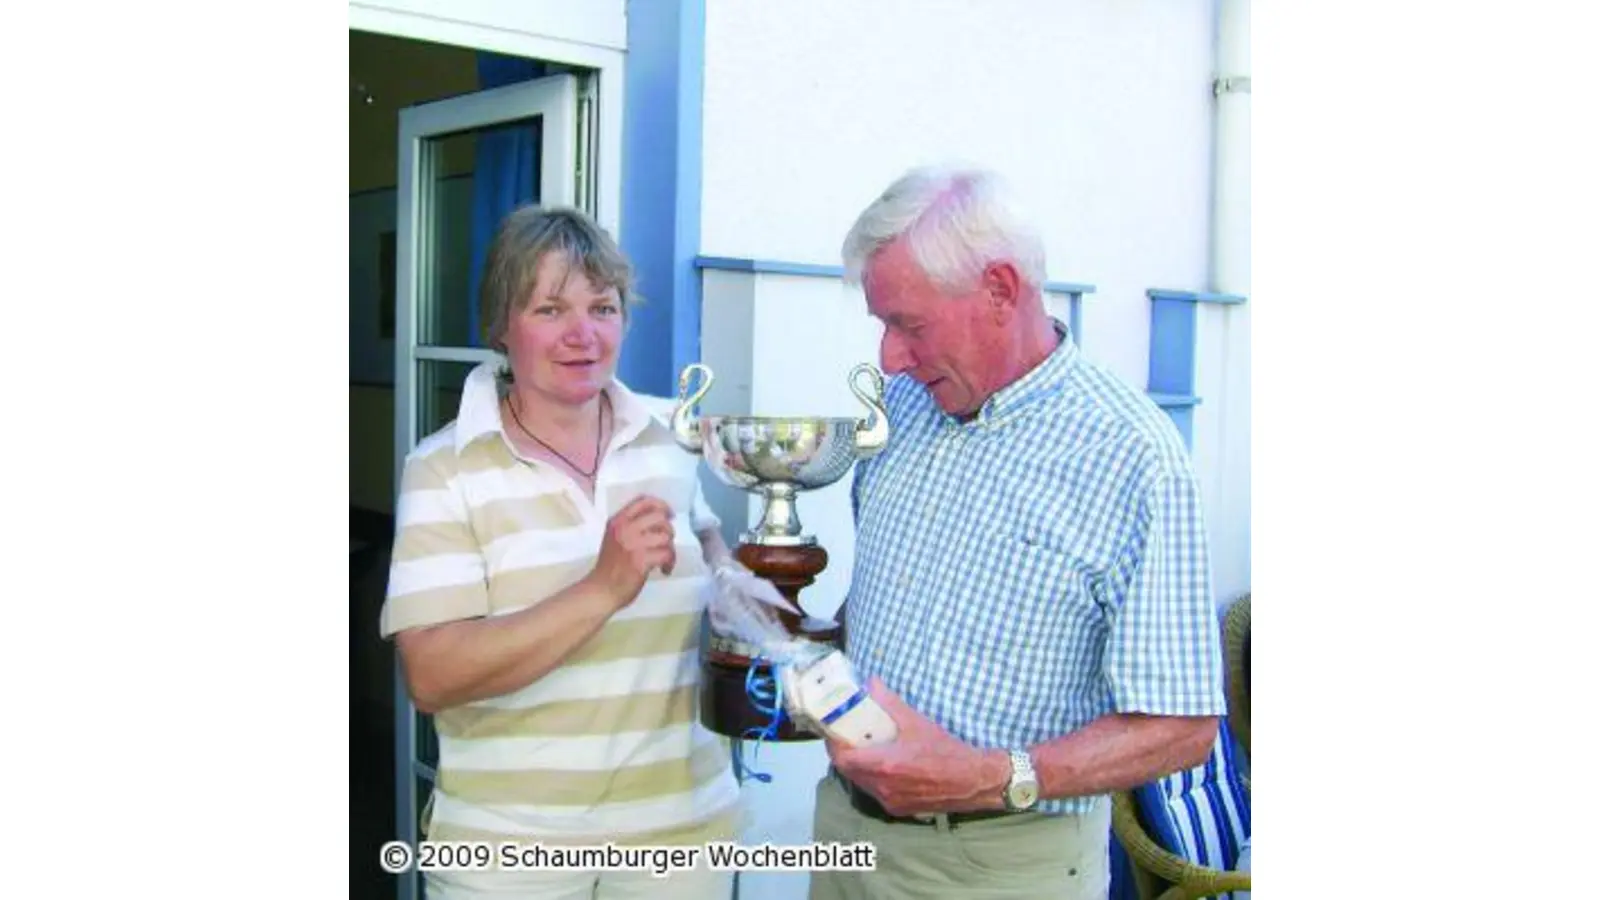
[[1022, 792]]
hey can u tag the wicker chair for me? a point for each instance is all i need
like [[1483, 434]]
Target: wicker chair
[[1236, 650], [1159, 874]]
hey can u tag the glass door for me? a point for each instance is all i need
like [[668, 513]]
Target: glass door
[[464, 163]]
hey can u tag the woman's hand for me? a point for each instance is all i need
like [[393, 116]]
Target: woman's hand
[[469, 660], [638, 539]]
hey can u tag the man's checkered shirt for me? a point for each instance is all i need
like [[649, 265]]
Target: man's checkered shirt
[[1036, 568]]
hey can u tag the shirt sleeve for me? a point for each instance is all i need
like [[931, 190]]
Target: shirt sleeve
[[437, 572], [1164, 652]]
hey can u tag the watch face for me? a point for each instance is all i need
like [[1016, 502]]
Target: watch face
[[1023, 795]]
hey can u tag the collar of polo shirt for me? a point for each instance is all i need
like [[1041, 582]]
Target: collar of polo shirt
[[479, 415], [1043, 380]]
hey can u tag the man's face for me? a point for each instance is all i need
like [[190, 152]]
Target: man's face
[[951, 343]]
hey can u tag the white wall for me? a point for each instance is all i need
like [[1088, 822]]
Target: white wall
[[1098, 111]]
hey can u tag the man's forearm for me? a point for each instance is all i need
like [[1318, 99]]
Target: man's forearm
[[1113, 753], [460, 662]]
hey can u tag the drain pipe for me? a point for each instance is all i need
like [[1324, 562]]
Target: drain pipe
[[1230, 173], [1231, 154], [1229, 266]]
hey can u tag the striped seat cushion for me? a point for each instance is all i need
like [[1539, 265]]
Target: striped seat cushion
[[1202, 814]]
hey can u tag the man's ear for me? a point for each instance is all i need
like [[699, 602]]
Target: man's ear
[[1003, 285]]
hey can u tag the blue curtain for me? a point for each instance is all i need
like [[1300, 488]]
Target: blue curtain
[[506, 171]]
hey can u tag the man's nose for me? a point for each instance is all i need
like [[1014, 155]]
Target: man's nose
[[893, 356]]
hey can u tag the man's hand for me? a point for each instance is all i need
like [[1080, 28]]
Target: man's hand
[[927, 770]]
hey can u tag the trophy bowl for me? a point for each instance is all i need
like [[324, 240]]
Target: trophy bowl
[[779, 456]]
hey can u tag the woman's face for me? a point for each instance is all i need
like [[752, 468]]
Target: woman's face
[[564, 342]]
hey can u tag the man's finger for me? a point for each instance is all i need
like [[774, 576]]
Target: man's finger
[[891, 702]]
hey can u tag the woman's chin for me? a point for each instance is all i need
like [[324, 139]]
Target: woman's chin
[[580, 388]]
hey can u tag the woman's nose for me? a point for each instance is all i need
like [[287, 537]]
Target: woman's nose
[[579, 331]]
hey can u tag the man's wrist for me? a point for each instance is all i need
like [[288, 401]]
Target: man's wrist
[[995, 771]]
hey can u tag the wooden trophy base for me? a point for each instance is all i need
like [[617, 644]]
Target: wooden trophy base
[[725, 704]]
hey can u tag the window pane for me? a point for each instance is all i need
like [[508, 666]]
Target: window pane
[[474, 179], [439, 393]]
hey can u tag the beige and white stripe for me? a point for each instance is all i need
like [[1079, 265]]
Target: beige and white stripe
[[608, 746]]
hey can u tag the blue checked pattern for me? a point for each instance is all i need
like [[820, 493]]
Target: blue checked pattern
[[1038, 567]]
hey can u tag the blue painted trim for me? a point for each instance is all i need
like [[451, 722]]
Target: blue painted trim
[[1073, 290], [1173, 325], [1174, 401], [768, 267], [816, 270], [686, 227], [1196, 296], [661, 165], [1172, 347], [1067, 287]]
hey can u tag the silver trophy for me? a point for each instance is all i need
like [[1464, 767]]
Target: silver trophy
[[776, 457]]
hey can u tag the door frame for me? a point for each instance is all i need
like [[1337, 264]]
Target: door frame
[[437, 22], [591, 44]]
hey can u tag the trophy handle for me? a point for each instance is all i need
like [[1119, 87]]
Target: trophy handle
[[872, 434], [685, 424]]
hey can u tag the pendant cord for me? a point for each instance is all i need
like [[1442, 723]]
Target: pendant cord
[[599, 433]]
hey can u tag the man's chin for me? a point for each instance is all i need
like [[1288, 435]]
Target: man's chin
[[945, 397]]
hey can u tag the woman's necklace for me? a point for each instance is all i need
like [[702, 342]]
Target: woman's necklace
[[599, 432]]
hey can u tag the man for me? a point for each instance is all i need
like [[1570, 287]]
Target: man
[[1031, 592]]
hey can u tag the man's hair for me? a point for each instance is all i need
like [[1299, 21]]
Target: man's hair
[[525, 237], [956, 221]]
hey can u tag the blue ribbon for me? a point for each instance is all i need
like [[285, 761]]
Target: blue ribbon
[[765, 694], [852, 703]]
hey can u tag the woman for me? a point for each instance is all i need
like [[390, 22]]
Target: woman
[[551, 547]]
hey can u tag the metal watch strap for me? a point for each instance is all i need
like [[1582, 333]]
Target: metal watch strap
[[1021, 771]]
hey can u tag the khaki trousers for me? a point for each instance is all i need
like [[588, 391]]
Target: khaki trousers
[[1023, 856], [695, 884]]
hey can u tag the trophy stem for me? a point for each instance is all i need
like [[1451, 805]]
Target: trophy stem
[[780, 520], [724, 704]]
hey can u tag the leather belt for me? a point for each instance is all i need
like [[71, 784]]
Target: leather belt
[[868, 805]]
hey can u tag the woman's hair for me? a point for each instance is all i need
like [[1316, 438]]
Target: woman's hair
[[955, 221], [528, 235]]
